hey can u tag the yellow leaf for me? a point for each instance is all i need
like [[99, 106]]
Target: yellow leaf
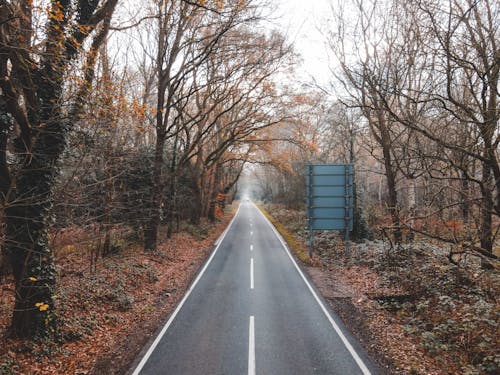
[[31, 278], [44, 307], [38, 304]]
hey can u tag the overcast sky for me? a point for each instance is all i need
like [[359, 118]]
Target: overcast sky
[[300, 20]]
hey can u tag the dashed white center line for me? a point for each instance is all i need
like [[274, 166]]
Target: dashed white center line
[[251, 247], [251, 273], [251, 346], [251, 232]]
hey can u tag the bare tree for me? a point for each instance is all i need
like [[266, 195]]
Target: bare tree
[[466, 35], [426, 78], [187, 35], [363, 76]]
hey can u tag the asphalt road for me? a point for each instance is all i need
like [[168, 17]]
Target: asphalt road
[[252, 311]]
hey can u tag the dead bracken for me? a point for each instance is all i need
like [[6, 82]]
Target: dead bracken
[[412, 309]]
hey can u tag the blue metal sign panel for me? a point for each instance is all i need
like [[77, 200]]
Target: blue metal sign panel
[[330, 196]]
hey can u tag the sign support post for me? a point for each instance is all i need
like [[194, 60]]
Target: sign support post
[[310, 199], [347, 217]]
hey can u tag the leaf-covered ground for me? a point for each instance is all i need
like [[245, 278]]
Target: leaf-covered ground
[[107, 314], [413, 310]]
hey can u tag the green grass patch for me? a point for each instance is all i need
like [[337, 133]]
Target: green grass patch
[[298, 248]]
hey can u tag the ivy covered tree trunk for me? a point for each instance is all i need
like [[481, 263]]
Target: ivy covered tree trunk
[[28, 213], [28, 218], [32, 96]]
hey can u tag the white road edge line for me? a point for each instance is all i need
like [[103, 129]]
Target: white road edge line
[[251, 346], [251, 273], [179, 306], [337, 329]]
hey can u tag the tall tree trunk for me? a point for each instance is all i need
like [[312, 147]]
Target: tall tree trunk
[[486, 228], [207, 190], [172, 189], [383, 137], [151, 231], [5, 181], [465, 195], [5, 124], [214, 193], [197, 183], [393, 193], [28, 216]]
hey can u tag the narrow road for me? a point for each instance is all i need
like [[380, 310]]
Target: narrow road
[[252, 311]]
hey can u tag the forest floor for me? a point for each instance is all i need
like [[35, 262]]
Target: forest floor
[[413, 310], [108, 312]]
